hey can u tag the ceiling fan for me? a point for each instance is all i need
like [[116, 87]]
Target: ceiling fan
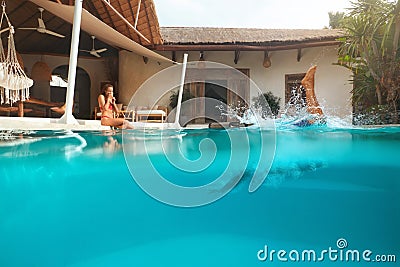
[[95, 52], [41, 27]]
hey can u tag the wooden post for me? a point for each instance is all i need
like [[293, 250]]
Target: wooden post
[[20, 108]]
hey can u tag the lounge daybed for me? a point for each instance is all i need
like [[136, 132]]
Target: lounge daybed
[[159, 114]]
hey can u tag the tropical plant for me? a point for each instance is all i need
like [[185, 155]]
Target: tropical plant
[[336, 19], [267, 99], [370, 49], [173, 99]]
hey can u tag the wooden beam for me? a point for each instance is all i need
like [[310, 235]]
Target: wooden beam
[[16, 9], [14, 109], [126, 26], [237, 54], [232, 47], [173, 56], [22, 24], [20, 109], [131, 11], [108, 14], [125, 20], [148, 22], [137, 13], [92, 9], [42, 102], [298, 54], [201, 56]]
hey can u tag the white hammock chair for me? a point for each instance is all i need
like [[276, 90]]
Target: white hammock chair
[[14, 84]]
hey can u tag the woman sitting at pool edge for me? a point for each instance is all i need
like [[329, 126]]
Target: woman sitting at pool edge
[[108, 107]]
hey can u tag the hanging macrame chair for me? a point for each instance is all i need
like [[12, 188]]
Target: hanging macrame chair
[[14, 84], [20, 61]]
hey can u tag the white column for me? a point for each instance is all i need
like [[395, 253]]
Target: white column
[[178, 106], [68, 118]]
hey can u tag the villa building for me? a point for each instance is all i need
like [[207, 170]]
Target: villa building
[[276, 60]]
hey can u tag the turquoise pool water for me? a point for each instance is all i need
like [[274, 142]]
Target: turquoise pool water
[[68, 199]]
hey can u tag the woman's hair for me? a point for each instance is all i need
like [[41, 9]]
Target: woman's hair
[[103, 89]]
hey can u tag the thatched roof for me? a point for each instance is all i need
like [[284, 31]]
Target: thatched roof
[[24, 13], [203, 35], [147, 23], [173, 36]]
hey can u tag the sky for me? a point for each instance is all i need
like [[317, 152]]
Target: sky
[[269, 14]]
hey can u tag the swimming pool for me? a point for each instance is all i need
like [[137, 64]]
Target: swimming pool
[[69, 199]]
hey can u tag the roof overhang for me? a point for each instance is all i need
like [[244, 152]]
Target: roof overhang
[[244, 47], [102, 31]]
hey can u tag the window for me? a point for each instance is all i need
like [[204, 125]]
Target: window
[[294, 92]]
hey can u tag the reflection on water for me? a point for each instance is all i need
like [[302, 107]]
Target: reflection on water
[[111, 146]]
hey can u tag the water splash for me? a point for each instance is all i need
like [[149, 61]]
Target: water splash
[[292, 116]]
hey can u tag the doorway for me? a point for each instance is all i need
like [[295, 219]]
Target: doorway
[[230, 87], [81, 109], [216, 89]]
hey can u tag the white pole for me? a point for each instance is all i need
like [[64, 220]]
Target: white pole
[[178, 106], [68, 118], [137, 13]]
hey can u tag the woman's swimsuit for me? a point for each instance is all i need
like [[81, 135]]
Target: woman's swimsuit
[[110, 107]]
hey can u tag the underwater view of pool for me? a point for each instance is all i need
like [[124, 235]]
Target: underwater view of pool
[[331, 198]]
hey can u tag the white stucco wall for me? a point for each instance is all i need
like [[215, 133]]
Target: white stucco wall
[[332, 84], [94, 67], [133, 72]]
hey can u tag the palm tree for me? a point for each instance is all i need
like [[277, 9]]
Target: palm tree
[[369, 49], [335, 19]]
